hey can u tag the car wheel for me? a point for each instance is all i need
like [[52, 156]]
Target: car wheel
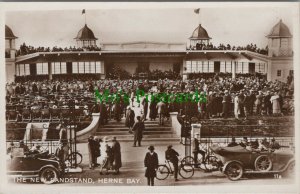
[[48, 175], [263, 163], [234, 171]]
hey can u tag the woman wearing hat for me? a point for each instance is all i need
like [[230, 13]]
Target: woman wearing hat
[[151, 164]]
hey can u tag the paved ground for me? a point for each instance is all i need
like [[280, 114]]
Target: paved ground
[[132, 172]]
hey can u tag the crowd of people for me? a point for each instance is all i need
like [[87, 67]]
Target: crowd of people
[[249, 47], [27, 49]]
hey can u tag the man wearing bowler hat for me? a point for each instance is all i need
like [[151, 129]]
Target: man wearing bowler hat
[[151, 164]]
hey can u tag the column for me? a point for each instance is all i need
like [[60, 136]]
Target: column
[[233, 69], [50, 70], [269, 70]]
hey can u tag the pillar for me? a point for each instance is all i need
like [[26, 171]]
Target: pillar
[[233, 69], [269, 70], [50, 70]]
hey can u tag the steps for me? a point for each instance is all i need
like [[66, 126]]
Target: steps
[[153, 132]]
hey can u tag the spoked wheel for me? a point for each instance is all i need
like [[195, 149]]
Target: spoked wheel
[[48, 175], [234, 171], [263, 163], [211, 163], [72, 156], [186, 171], [190, 161], [162, 172]]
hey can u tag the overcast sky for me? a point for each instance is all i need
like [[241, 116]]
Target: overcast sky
[[237, 26]]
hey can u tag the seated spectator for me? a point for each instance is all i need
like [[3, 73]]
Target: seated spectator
[[232, 143]]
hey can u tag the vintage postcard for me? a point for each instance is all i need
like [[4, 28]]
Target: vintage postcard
[[117, 97]]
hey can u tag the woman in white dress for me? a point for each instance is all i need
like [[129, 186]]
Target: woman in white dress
[[275, 104], [236, 106]]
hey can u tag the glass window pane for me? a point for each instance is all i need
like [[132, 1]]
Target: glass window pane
[[63, 67], [222, 67], [205, 66], [228, 66], [21, 69], [92, 66], [27, 69], [86, 67], [211, 66], [74, 67], [245, 67], [80, 67], [200, 66], [194, 66], [188, 66], [99, 67]]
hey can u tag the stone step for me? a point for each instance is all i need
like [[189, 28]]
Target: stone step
[[123, 125], [127, 133], [145, 137], [146, 122], [126, 129]]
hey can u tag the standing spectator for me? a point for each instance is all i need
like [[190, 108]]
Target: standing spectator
[[241, 105], [226, 104], [236, 106], [268, 104], [151, 164], [153, 110], [138, 129], [258, 102], [161, 108], [145, 108], [275, 104], [91, 149], [116, 149], [251, 103], [129, 121], [172, 155], [103, 114], [247, 104], [274, 145]]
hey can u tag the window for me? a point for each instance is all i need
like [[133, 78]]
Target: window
[[284, 42], [239, 67], [92, 67], [63, 67], [42, 68], [205, 66], [194, 66], [223, 66], [74, 67], [86, 67], [200, 66], [211, 67], [278, 73], [188, 66], [245, 67], [80, 67], [228, 66], [22, 69], [260, 67], [99, 67]]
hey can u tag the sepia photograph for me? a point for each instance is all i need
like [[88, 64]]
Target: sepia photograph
[[197, 95]]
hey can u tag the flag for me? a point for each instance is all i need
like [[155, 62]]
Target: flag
[[83, 11], [197, 11]]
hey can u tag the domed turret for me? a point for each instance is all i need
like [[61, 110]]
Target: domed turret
[[280, 40], [85, 37], [200, 36], [9, 33]]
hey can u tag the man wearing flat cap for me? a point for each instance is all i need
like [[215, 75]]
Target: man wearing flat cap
[[172, 155]]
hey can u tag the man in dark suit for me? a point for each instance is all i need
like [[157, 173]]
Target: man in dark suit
[[172, 155], [151, 164], [226, 104], [138, 129]]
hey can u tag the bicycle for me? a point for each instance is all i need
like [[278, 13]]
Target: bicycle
[[210, 162], [164, 170], [71, 157]]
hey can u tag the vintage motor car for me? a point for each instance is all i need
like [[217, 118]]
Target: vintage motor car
[[46, 167], [237, 161]]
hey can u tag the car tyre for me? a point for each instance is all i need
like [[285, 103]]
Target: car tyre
[[263, 163], [234, 171], [48, 175]]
